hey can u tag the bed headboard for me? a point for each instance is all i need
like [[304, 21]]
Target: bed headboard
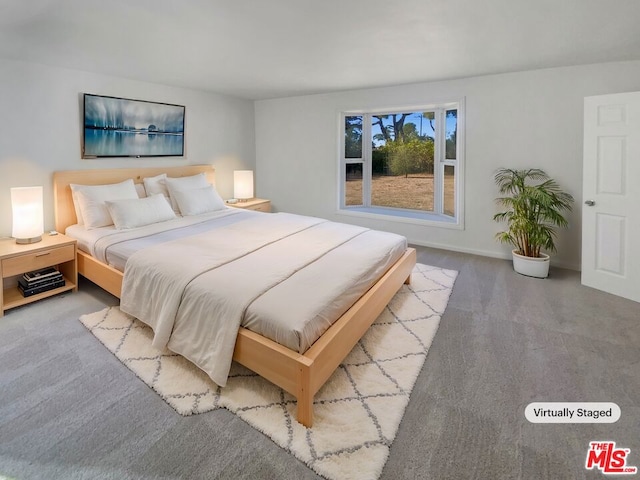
[[65, 214]]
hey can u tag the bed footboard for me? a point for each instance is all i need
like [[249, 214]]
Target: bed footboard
[[302, 375]]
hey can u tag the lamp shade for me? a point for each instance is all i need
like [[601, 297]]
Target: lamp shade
[[243, 184], [28, 217]]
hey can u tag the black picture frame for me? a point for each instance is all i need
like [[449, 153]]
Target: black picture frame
[[123, 127]]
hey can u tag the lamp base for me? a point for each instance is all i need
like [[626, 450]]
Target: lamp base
[[22, 241]]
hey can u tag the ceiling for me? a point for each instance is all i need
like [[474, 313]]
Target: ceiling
[[258, 49]]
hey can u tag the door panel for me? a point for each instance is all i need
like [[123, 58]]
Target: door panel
[[611, 165], [611, 243], [611, 191]]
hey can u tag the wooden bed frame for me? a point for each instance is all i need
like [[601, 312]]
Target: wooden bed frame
[[301, 375]]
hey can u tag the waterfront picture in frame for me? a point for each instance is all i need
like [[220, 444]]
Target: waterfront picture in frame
[[121, 127]]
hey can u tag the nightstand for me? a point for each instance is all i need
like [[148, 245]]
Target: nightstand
[[257, 204], [17, 259]]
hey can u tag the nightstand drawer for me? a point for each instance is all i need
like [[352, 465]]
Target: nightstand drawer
[[37, 260], [255, 204], [263, 207]]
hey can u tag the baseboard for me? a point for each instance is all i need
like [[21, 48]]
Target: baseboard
[[486, 253]]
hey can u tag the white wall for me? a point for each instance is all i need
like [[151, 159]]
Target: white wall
[[40, 129], [521, 120]]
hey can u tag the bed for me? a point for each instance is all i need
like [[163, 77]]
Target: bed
[[301, 374]]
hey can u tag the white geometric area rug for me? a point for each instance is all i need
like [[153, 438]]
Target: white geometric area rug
[[356, 413]]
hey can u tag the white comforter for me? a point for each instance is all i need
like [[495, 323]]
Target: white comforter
[[195, 298]]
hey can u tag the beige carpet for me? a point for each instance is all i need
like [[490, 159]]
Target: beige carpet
[[356, 413]]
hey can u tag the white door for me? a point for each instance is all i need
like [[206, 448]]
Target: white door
[[611, 194]]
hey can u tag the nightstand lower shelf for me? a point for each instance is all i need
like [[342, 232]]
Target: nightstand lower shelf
[[13, 298]]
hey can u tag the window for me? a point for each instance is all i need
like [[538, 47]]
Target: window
[[405, 164]]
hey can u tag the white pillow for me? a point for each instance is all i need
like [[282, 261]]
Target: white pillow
[[89, 201], [156, 184], [132, 213], [198, 200], [184, 183], [76, 205]]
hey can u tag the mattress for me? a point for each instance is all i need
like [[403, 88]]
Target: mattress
[[294, 312]]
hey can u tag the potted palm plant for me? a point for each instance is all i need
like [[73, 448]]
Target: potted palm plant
[[534, 205]]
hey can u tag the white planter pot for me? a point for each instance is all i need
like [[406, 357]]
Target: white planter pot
[[531, 266]]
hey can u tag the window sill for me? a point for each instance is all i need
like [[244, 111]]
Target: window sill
[[402, 216]]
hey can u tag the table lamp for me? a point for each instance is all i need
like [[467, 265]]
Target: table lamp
[[28, 216], [243, 184]]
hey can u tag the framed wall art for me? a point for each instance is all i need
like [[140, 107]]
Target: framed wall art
[[121, 127]]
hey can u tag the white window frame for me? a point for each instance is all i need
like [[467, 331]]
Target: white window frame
[[435, 218]]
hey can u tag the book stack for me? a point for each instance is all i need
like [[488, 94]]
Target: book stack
[[32, 283]]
